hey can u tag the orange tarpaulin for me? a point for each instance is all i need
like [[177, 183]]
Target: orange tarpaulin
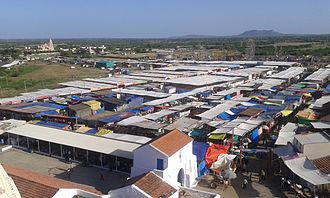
[[213, 153]]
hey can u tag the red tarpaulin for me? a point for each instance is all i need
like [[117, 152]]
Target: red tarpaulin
[[213, 153]]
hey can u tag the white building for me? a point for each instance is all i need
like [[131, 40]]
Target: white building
[[170, 156], [145, 186]]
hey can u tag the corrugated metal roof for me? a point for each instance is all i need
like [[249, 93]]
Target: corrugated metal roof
[[319, 75], [212, 113], [289, 73], [312, 138], [305, 169], [142, 93], [201, 80], [159, 114], [131, 120], [78, 140]]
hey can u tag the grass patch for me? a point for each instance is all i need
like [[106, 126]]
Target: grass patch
[[41, 76]]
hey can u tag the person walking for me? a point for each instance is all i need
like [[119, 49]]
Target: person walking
[[68, 172], [101, 177], [263, 174], [250, 176], [226, 184], [245, 182], [283, 182]]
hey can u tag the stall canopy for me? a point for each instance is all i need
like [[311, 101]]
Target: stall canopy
[[283, 151], [199, 149], [159, 114], [217, 137], [286, 134], [183, 124], [212, 113], [305, 169], [223, 162], [213, 153]]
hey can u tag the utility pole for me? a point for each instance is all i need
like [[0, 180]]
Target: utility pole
[[250, 49], [25, 85]]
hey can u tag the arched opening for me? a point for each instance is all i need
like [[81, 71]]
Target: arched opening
[[181, 177]]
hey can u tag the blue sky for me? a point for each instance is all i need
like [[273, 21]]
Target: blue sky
[[155, 18]]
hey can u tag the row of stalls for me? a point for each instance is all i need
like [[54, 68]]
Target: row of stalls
[[301, 153], [227, 113]]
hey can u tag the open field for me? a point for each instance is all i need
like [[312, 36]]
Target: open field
[[30, 77]]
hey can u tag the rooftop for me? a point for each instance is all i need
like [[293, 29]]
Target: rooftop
[[31, 184], [323, 164], [152, 185], [171, 142], [312, 138], [78, 140], [201, 80]]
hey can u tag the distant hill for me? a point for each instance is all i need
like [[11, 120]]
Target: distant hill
[[250, 33], [193, 36], [261, 33]]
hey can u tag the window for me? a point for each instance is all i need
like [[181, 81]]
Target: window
[[23, 141], [44, 146], [160, 164], [55, 149], [94, 158]]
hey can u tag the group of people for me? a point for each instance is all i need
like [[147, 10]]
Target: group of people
[[262, 177]]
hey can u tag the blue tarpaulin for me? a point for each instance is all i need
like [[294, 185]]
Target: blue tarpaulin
[[327, 89], [234, 110], [108, 95], [268, 108], [74, 97], [135, 111], [205, 93], [254, 136], [51, 112], [147, 108], [52, 124], [292, 98], [238, 109], [116, 118], [91, 132], [199, 149], [202, 169], [43, 104], [180, 90], [226, 116], [227, 97]]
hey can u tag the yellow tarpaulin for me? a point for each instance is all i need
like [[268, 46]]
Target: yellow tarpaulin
[[83, 129], [286, 112], [217, 136], [103, 132], [95, 105], [307, 94]]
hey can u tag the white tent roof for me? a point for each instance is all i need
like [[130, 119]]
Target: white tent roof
[[142, 93], [307, 171], [289, 73], [286, 134], [201, 80], [159, 114], [89, 142], [116, 80], [87, 85], [319, 75], [238, 126], [321, 125], [130, 120], [212, 113]]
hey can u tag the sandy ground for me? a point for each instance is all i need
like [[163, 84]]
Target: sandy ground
[[45, 165]]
